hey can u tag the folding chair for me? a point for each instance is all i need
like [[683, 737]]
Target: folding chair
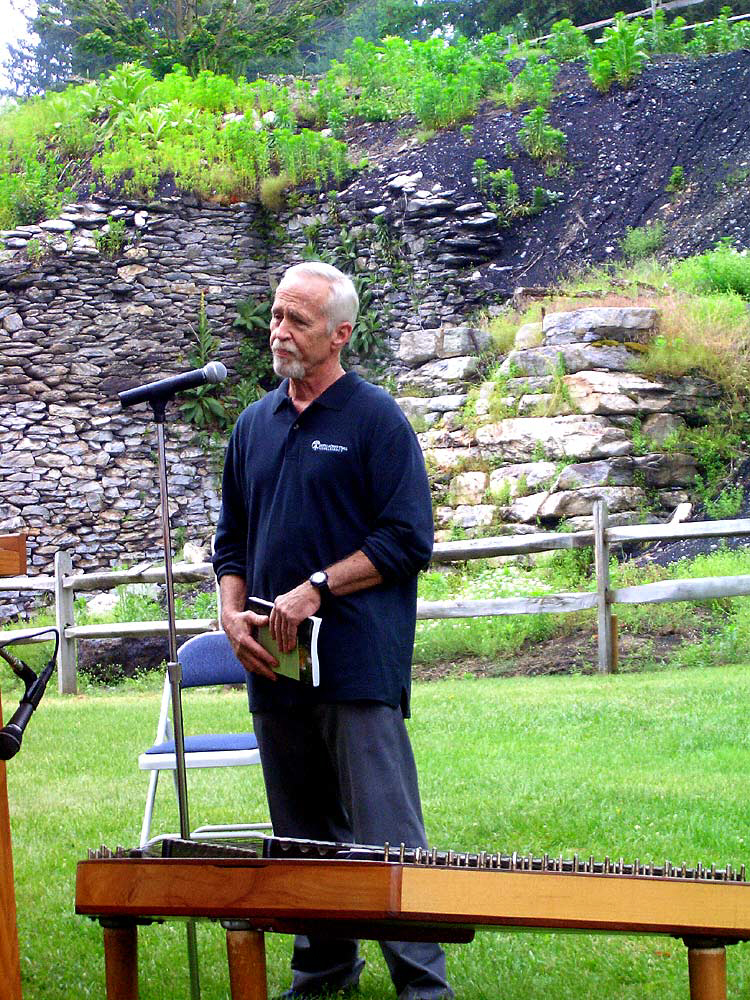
[[206, 660]]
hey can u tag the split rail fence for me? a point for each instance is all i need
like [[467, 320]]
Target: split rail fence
[[65, 584]]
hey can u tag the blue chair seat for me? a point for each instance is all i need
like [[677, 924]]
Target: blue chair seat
[[209, 743]]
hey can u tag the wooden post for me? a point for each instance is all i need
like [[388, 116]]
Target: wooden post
[[66, 656], [121, 959], [607, 655], [10, 963], [246, 952], [707, 968]]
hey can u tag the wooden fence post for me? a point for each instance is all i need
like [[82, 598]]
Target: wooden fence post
[[66, 655], [605, 638]]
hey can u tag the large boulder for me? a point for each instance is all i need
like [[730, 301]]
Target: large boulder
[[631, 324]]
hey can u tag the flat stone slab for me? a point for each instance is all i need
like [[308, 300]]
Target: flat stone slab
[[630, 323], [567, 359], [577, 436]]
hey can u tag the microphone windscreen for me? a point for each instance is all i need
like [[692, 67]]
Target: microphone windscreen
[[215, 371]]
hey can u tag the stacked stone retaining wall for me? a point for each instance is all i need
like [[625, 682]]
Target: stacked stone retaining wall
[[76, 327]]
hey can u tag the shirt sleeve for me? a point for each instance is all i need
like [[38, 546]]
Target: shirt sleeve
[[231, 530], [400, 543]]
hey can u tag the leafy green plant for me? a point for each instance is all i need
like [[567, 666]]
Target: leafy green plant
[[201, 408], [534, 84], [723, 269], [716, 36], [620, 55], [662, 38], [676, 180], [481, 173], [35, 251], [111, 242], [367, 337], [600, 69], [503, 185], [642, 242], [565, 41], [642, 444], [255, 363], [539, 138], [726, 505]]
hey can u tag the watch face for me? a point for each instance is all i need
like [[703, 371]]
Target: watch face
[[319, 579]]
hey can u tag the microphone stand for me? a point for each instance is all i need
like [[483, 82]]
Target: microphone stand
[[174, 672]]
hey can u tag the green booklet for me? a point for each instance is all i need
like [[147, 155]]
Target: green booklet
[[302, 663]]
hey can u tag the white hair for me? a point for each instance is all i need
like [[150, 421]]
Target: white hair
[[343, 301]]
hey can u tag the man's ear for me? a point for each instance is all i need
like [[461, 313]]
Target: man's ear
[[340, 336]]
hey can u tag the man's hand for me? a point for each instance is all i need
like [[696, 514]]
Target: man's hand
[[289, 610], [239, 626]]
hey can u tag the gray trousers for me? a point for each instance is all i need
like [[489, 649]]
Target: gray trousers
[[346, 772]]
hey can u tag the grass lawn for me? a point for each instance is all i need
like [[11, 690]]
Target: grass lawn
[[649, 765]]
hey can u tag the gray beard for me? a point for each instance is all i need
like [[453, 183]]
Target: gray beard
[[288, 367]]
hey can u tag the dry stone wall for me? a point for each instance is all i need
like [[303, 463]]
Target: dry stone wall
[[76, 327]]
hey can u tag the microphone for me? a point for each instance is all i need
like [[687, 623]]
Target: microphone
[[12, 733], [164, 388]]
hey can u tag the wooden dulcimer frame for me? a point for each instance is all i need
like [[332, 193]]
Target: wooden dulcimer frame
[[390, 900]]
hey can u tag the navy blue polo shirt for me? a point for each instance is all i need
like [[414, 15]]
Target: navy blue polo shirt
[[302, 491]]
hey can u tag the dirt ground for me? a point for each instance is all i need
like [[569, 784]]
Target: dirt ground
[[621, 149], [575, 653]]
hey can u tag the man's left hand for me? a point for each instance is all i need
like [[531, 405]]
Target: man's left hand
[[289, 610]]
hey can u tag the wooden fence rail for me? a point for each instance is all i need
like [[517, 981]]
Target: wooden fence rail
[[65, 584]]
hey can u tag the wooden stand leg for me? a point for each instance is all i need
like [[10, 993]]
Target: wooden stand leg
[[121, 959], [10, 963], [707, 965], [246, 951]]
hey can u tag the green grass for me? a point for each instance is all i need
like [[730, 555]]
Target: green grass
[[723, 626], [647, 765]]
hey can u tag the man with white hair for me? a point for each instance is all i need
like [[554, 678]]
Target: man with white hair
[[326, 510]]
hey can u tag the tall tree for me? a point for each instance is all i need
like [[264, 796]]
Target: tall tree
[[81, 38]]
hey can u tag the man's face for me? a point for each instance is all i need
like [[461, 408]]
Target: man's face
[[300, 338]]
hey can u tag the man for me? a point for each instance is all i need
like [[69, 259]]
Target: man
[[326, 510]]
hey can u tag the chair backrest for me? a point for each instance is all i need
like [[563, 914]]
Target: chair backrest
[[208, 659]]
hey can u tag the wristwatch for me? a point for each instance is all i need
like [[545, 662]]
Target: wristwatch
[[319, 580]]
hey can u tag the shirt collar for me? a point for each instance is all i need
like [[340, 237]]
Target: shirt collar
[[334, 398]]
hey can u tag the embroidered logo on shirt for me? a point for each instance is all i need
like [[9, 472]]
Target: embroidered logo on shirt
[[320, 446]]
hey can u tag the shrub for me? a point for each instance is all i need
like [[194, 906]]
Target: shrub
[[620, 55], [676, 180], [533, 85], [539, 139], [661, 37], [566, 41], [643, 242], [722, 269]]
